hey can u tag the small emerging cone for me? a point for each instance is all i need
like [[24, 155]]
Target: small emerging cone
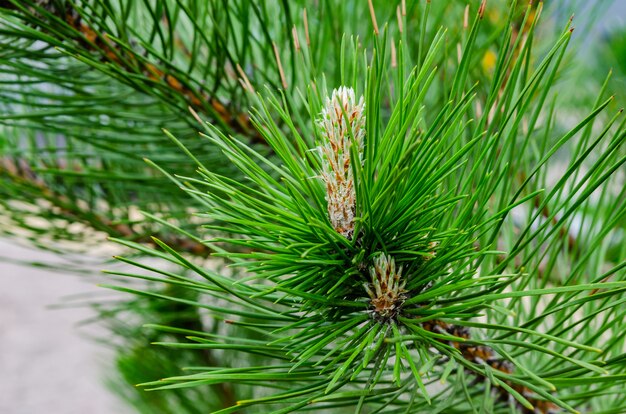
[[336, 142], [386, 291]]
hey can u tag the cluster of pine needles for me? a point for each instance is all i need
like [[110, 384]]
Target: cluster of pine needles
[[395, 218]]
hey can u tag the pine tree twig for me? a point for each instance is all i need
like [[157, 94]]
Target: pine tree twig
[[129, 61], [23, 175], [480, 354]]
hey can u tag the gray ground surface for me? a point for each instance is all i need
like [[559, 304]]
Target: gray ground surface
[[45, 365]]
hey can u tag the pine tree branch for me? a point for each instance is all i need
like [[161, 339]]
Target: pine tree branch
[[480, 355], [123, 61], [23, 176]]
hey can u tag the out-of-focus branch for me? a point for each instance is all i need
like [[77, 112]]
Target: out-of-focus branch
[[127, 60], [22, 174]]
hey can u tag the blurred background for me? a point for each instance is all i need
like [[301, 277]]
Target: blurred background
[[50, 361]]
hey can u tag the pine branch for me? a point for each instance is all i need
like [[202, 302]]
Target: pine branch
[[66, 24], [29, 182], [481, 355], [380, 229], [359, 276]]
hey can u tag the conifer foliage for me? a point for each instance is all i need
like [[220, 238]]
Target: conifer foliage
[[414, 226]]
